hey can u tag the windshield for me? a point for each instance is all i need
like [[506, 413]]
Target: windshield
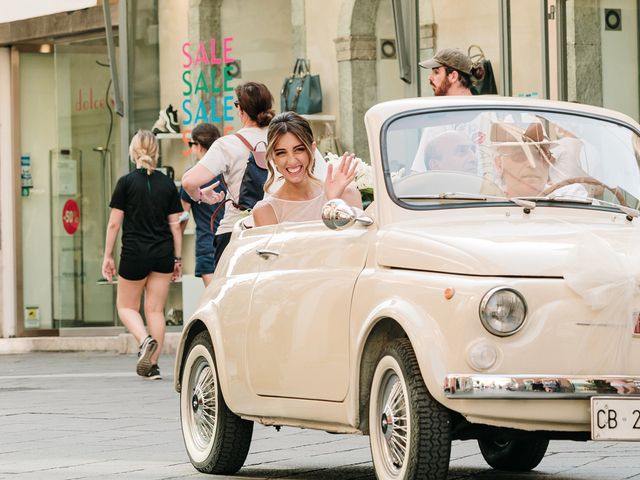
[[437, 159]]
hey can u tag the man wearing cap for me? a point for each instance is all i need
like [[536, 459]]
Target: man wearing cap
[[452, 72]]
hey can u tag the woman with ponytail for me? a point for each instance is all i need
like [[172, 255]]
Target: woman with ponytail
[[146, 204]]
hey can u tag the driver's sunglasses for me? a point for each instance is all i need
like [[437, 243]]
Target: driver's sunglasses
[[536, 154], [236, 103], [193, 143]]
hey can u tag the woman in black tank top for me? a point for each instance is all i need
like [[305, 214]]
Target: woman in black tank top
[[145, 203]]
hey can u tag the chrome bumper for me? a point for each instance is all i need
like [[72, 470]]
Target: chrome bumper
[[536, 387]]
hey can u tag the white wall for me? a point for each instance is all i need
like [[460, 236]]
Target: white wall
[[7, 203], [173, 24], [322, 23], [526, 48], [620, 60], [262, 41]]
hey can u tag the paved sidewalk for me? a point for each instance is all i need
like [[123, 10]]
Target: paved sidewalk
[[121, 343], [88, 416]]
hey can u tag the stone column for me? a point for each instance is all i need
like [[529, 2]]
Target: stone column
[[356, 57], [584, 52]]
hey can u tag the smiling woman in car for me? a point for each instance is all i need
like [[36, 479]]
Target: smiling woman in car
[[290, 152]]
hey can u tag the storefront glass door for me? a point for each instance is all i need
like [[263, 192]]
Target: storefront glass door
[[68, 133], [88, 132]]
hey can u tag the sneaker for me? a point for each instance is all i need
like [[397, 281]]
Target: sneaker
[[173, 117], [154, 373], [147, 349], [160, 126], [170, 116]]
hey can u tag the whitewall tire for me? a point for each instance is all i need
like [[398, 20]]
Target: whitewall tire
[[409, 432], [217, 440]]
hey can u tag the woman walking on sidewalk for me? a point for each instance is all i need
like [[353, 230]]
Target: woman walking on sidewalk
[[147, 206]]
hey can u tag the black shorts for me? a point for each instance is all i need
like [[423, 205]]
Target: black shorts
[[140, 268]]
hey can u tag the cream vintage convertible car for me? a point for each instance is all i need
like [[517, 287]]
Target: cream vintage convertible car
[[489, 292]]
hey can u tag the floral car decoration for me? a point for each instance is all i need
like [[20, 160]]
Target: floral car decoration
[[489, 292]]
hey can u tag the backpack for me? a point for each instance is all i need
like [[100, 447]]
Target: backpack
[[255, 174]]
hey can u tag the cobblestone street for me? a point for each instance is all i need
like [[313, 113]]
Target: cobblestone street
[[88, 416]]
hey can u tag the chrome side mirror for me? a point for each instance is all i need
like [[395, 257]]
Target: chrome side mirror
[[338, 215]]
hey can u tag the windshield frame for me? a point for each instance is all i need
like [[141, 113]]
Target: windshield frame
[[386, 172]]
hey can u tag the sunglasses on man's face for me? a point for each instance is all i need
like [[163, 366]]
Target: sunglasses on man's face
[[193, 143], [236, 103], [530, 155]]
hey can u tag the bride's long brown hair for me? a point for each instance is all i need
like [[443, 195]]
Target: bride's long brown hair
[[288, 122]]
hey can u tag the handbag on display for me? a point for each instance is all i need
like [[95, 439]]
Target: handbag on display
[[486, 85], [328, 142], [301, 92]]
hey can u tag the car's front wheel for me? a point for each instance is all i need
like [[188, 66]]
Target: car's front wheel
[[410, 433], [216, 439], [516, 455]]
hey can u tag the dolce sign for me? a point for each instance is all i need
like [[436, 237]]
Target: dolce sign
[[195, 81], [86, 101]]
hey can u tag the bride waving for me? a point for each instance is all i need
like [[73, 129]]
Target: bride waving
[[290, 155]]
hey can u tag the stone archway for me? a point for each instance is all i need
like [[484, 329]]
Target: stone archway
[[356, 56]]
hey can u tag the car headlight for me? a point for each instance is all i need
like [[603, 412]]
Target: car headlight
[[503, 311]]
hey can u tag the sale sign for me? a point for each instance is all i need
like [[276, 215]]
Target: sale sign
[[71, 216], [199, 59]]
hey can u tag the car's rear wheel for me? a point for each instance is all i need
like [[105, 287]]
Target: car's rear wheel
[[515, 455], [216, 439], [410, 433]]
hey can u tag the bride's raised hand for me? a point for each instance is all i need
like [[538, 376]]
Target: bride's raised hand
[[339, 178]]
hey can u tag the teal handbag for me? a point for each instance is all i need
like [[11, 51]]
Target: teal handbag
[[301, 92]]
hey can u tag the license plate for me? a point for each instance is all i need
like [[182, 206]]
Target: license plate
[[615, 418]]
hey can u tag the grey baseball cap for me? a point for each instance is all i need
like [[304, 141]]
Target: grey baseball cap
[[449, 57]]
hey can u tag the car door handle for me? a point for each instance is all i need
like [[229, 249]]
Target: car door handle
[[266, 253]]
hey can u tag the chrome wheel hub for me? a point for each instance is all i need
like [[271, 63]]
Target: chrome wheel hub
[[203, 414], [393, 422]]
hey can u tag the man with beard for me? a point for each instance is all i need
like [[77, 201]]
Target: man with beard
[[452, 72]]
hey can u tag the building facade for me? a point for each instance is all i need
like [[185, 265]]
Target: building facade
[[71, 103]]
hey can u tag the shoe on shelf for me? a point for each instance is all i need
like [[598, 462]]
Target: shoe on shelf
[[147, 349], [160, 126], [154, 373], [170, 116]]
